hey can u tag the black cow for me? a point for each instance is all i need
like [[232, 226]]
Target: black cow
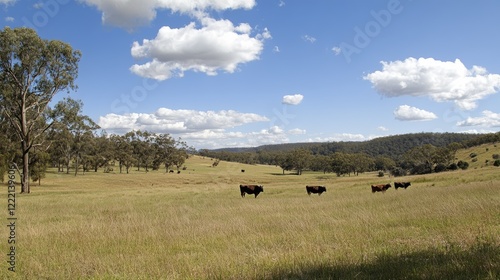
[[315, 189], [380, 188], [401, 185], [251, 189]]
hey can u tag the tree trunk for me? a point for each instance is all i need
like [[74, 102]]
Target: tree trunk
[[25, 180], [76, 165]]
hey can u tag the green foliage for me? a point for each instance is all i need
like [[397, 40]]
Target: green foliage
[[473, 155], [463, 164], [32, 71], [497, 162], [381, 173]]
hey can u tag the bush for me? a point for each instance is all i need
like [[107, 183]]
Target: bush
[[497, 162], [381, 173], [453, 166], [463, 165], [495, 156], [440, 168], [398, 171], [474, 160], [473, 155]]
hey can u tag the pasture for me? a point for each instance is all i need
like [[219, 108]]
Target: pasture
[[195, 225]]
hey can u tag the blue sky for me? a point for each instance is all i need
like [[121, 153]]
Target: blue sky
[[233, 73]]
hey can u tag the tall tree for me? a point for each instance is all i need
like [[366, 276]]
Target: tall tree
[[32, 71], [73, 130]]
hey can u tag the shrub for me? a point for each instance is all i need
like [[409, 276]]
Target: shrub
[[453, 166], [440, 168], [473, 155], [495, 156], [474, 160], [398, 171], [497, 162], [463, 165], [381, 173]]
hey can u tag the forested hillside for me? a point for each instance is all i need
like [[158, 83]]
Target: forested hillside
[[417, 153], [389, 146]]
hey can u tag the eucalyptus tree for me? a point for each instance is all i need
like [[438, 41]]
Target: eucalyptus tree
[[421, 159], [123, 150], [32, 71], [361, 162], [300, 159], [73, 132]]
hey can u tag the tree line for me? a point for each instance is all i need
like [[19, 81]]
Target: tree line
[[399, 155], [35, 136]]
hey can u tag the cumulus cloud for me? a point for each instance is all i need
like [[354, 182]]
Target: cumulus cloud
[[489, 119], [166, 120], [439, 80], [408, 113], [131, 13], [292, 99], [9, 19], [217, 45], [382, 128]]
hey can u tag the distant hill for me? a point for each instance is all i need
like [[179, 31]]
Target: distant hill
[[480, 156], [390, 146]]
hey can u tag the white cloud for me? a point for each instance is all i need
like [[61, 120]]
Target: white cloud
[[9, 19], [440, 80], [338, 137], [166, 120], [217, 45], [276, 49], [382, 128], [310, 39], [408, 113], [296, 131], [132, 13], [281, 3], [292, 99], [489, 119]]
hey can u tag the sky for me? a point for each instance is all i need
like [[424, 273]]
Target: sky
[[245, 73]]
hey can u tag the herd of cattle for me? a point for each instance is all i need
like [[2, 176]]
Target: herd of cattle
[[257, 189]]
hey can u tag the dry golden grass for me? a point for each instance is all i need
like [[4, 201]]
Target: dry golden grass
[[195, 225]]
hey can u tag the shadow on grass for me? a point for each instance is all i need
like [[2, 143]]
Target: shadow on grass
[[482, 261]]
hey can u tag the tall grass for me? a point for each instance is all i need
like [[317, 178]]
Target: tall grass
[[195, 225]]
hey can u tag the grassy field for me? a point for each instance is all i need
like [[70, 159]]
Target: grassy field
[[195, 225]]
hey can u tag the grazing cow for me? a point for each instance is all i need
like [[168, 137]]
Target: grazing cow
[[315, 189], [380, 188], [401, 185], [251, 189]]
